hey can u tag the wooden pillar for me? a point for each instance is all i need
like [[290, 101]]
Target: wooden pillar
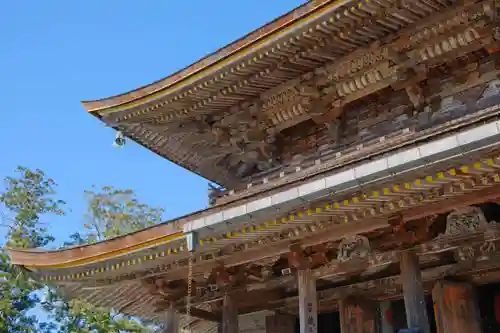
[[280, 323], [229, 316], [386, 317], [171, 321], [413, 292], [358, 315], [308, 302], [456, 309]]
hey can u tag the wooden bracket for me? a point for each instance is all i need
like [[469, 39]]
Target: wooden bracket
[[298, 258]]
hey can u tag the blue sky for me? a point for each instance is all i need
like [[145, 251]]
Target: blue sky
[[57, 53]]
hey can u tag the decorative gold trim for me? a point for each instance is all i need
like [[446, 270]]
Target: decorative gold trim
[[314, 13], [430, 180], [107, 255], [393, 189]]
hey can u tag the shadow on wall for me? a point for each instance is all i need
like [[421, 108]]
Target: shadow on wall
[[489, 307], [327, 322]]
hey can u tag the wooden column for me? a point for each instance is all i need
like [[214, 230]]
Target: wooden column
[[455, 308], [386, 317], [171, 321], [308, 302], [280, 323], [413, 292], [358, 315], [229, 316]]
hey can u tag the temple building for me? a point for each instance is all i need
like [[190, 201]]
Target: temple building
[[355, 145]]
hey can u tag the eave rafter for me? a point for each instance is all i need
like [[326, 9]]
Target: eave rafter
[[375, 46], [335, 253], [219, 59], [350, 238], [410, 201], [471, 246], [299, 50]]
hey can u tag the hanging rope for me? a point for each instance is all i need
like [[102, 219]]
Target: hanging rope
[[189, 290]]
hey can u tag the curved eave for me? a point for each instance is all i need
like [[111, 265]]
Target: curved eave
[[214, 175], [87, 254], [153, 236], [214, 61]]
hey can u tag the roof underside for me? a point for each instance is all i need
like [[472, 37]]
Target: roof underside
[[118, 282], [170, 117]]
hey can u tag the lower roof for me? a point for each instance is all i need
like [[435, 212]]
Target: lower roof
[[112, 283], [251, 219]]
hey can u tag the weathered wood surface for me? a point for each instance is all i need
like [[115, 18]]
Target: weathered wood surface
[[335, 95], [413, 292], [171, 321], [476, 252], [229, 315], [280, 323], [243, 131], [254, 252], [474, 249], [308, 302], [455, 308]]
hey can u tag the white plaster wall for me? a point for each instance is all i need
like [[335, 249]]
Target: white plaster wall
[[254, 322], [248, 323]]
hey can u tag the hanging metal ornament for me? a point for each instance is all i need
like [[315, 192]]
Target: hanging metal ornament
[[119, 139]]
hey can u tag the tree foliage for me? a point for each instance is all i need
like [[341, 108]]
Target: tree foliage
[[26, 199], [77, 316], [111, 212]]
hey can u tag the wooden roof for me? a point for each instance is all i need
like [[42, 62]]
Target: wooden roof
[[114, 273], [215, 61], [165, 243], [174, 116], [425, 177]]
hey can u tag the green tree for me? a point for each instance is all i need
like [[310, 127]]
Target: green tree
[[113, 212], [110, 212], [26, 199]]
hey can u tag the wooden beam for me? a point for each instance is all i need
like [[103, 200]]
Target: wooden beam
[[229, 315], [248, 299], [280, 323], [329, 234], [413, 292], [171, 321], [387, 288], [335, 233], [482, 245], [444, 206], [308, 302], [456, 308], [202, 314]]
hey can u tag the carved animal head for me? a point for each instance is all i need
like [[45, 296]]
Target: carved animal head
[[465, 220], [353, 247]]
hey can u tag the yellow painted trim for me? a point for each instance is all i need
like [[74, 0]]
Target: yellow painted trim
[[110, 254], [391, 206], [394, 188], [220, 63]]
